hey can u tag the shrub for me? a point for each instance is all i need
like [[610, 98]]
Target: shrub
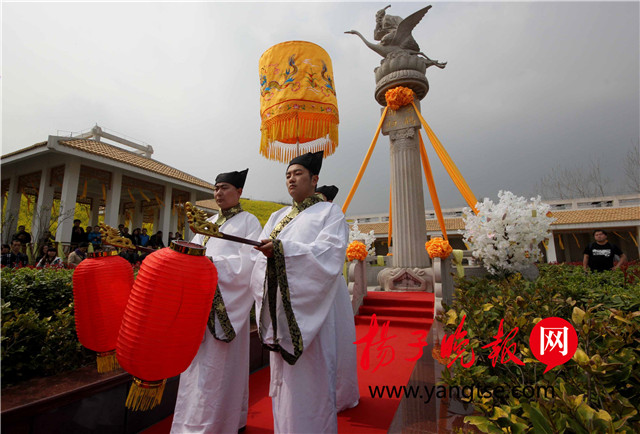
[[595, 390], [43, 291], [38, 326]]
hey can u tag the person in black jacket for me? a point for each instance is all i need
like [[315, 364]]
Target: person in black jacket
[[15, 258], [598, 256]]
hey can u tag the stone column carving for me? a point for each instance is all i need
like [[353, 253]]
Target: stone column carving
[[410, 259]]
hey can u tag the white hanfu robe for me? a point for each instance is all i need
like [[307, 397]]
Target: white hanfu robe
[[314, 244], [214, 390], [347, 392]]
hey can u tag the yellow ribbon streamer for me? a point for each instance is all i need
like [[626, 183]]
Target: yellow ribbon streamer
[[633, 238], [576, 238], [560, 243], [84, 190], [61, 254], [619, 236], [546, 246], [363, 167], [144, 196], [426, 167], [451, 168], [133, 199], [456, 259], [158, 199]]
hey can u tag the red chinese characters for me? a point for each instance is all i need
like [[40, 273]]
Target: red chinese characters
[[383, 350], [449, 346], [500, 347]]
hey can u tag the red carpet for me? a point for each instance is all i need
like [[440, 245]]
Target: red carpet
[[407, 312]]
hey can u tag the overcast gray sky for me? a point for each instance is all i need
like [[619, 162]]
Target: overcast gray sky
[[527, 86]]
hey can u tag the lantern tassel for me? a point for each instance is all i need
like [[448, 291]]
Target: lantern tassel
[[107, 362], [145, 395]]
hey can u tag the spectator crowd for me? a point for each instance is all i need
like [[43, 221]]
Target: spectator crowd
[[83, 240]]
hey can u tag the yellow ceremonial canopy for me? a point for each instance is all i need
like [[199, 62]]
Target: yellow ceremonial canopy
[[298, 105]]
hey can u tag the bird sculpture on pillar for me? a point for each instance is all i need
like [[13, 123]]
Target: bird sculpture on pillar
[[394, 34]]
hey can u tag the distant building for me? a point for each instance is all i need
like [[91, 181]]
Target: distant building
[[576, 219], [117, 183]]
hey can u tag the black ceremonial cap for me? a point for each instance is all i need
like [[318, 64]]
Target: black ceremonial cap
[[236, 179], [329, 191], [310, 160]]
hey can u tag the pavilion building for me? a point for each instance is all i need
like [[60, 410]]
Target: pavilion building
[[571, 232], [115, 183]]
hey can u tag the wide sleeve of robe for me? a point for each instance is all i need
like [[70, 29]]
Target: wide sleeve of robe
[[234, 264], [314, 245]]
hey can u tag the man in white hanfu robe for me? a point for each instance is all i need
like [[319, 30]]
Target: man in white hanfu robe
[[347, 393], [213, 394], [296, 283]]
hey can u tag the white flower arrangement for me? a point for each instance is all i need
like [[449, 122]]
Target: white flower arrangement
[[505, 236], [368, 239]]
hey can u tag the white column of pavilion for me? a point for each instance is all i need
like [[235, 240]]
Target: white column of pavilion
[[164, 220], [551, 249], [42, 214], [137, 216], [68, 200], [10, 223], [112, 204]]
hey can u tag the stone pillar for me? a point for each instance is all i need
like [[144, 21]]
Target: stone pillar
[[10, 220], [164, 220], [410, 259], [409, 226], [137, 216], [112, 204], [357, 284], [551, 249], [68, 200], [42, 215]]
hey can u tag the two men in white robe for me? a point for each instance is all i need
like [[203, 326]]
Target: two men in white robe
[[213, 392], [303, 308]]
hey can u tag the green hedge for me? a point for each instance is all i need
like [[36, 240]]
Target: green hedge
[[38, 327], [598, 390]]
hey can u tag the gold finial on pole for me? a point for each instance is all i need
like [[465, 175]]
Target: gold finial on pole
[[198, 221]]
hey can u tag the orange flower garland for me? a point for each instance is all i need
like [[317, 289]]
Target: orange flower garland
[[438, 248], [398, 97], [357, 250]]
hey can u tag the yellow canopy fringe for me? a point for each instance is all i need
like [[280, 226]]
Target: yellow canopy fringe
[[145, 395], [290, 134]]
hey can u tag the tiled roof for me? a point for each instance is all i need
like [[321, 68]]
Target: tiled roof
[[28, 148], [596, 215], [133, 159], [567, 217]]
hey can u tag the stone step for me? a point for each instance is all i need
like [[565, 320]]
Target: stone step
[[403, 321], [407, 299], [416, 312]]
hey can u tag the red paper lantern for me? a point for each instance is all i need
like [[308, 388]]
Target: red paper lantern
[[165, 319], [101, 287]]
